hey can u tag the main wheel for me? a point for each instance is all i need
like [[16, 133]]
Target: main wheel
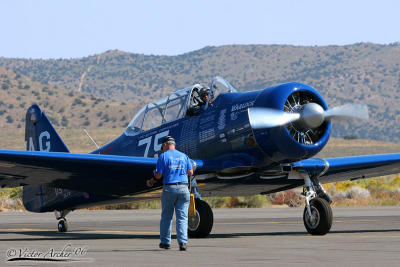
[[201, 224], [321, 222], [62, 225]]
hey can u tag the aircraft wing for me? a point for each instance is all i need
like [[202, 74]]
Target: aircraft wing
[[112, 175], [350, 168], [121, 175], [105, 174]]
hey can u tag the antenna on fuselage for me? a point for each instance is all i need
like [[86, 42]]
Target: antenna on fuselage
[[94, 142]]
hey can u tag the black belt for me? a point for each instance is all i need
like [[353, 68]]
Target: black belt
[[177, 183]]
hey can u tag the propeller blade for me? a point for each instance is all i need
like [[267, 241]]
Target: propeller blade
[[348, 111], [266, 118]]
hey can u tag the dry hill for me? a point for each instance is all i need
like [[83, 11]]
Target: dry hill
[[64, 107], [363, 72]]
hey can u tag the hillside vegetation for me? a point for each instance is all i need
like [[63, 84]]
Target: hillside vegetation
[[362, 72], [64, 108]]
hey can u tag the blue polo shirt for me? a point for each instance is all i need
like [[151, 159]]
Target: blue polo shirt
[[173, 165]]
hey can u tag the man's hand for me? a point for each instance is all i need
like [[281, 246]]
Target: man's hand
[[157, 175], [150, 182]]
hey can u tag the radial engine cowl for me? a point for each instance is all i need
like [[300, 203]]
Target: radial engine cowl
[[299, 139]]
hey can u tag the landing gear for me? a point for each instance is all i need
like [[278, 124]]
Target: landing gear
[[317, 215], [320, 221], [201, 224], [62, 223]]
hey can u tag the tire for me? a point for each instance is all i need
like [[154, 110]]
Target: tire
[[62, 226], [322, 213], [200, 226]]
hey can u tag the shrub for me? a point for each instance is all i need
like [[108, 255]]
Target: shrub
[[77, 101], [64, 121], [9, 119], [291, 198], [354, 192]]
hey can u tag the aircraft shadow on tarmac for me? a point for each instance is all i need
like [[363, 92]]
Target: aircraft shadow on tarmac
[[233, 235], [46, 235]]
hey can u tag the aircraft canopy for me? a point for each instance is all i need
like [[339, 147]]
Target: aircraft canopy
[[172, 107]]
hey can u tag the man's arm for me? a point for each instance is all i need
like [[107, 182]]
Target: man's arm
[[159, 168], [189, 170], [156, 174]]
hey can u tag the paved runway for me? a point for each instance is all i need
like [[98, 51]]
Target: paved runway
[[240, 237]]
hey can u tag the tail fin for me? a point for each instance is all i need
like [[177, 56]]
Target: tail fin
[[40, 134]]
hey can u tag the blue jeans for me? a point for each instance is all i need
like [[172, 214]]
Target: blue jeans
[[174, 197]]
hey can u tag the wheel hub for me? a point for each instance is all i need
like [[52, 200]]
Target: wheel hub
[[313, 221], [194, 221]]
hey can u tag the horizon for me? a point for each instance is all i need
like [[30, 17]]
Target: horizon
[[128, 52], [66, 29]]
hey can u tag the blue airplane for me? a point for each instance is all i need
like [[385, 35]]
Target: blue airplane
[[242, 143]]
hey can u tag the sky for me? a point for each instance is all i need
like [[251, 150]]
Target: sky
[[78, 28]]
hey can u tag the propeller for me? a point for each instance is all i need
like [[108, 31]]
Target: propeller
[[268, 118], [310, 115]]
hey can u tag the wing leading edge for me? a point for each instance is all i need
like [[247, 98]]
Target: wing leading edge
[[350, 168]]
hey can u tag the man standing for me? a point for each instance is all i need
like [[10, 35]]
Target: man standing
[[174, 167]]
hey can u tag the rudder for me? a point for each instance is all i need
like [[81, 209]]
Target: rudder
[[40, 135]]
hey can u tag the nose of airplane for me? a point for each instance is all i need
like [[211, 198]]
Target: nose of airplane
[[311, 116]]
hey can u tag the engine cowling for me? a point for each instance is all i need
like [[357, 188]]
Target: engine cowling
[[293, 141]]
